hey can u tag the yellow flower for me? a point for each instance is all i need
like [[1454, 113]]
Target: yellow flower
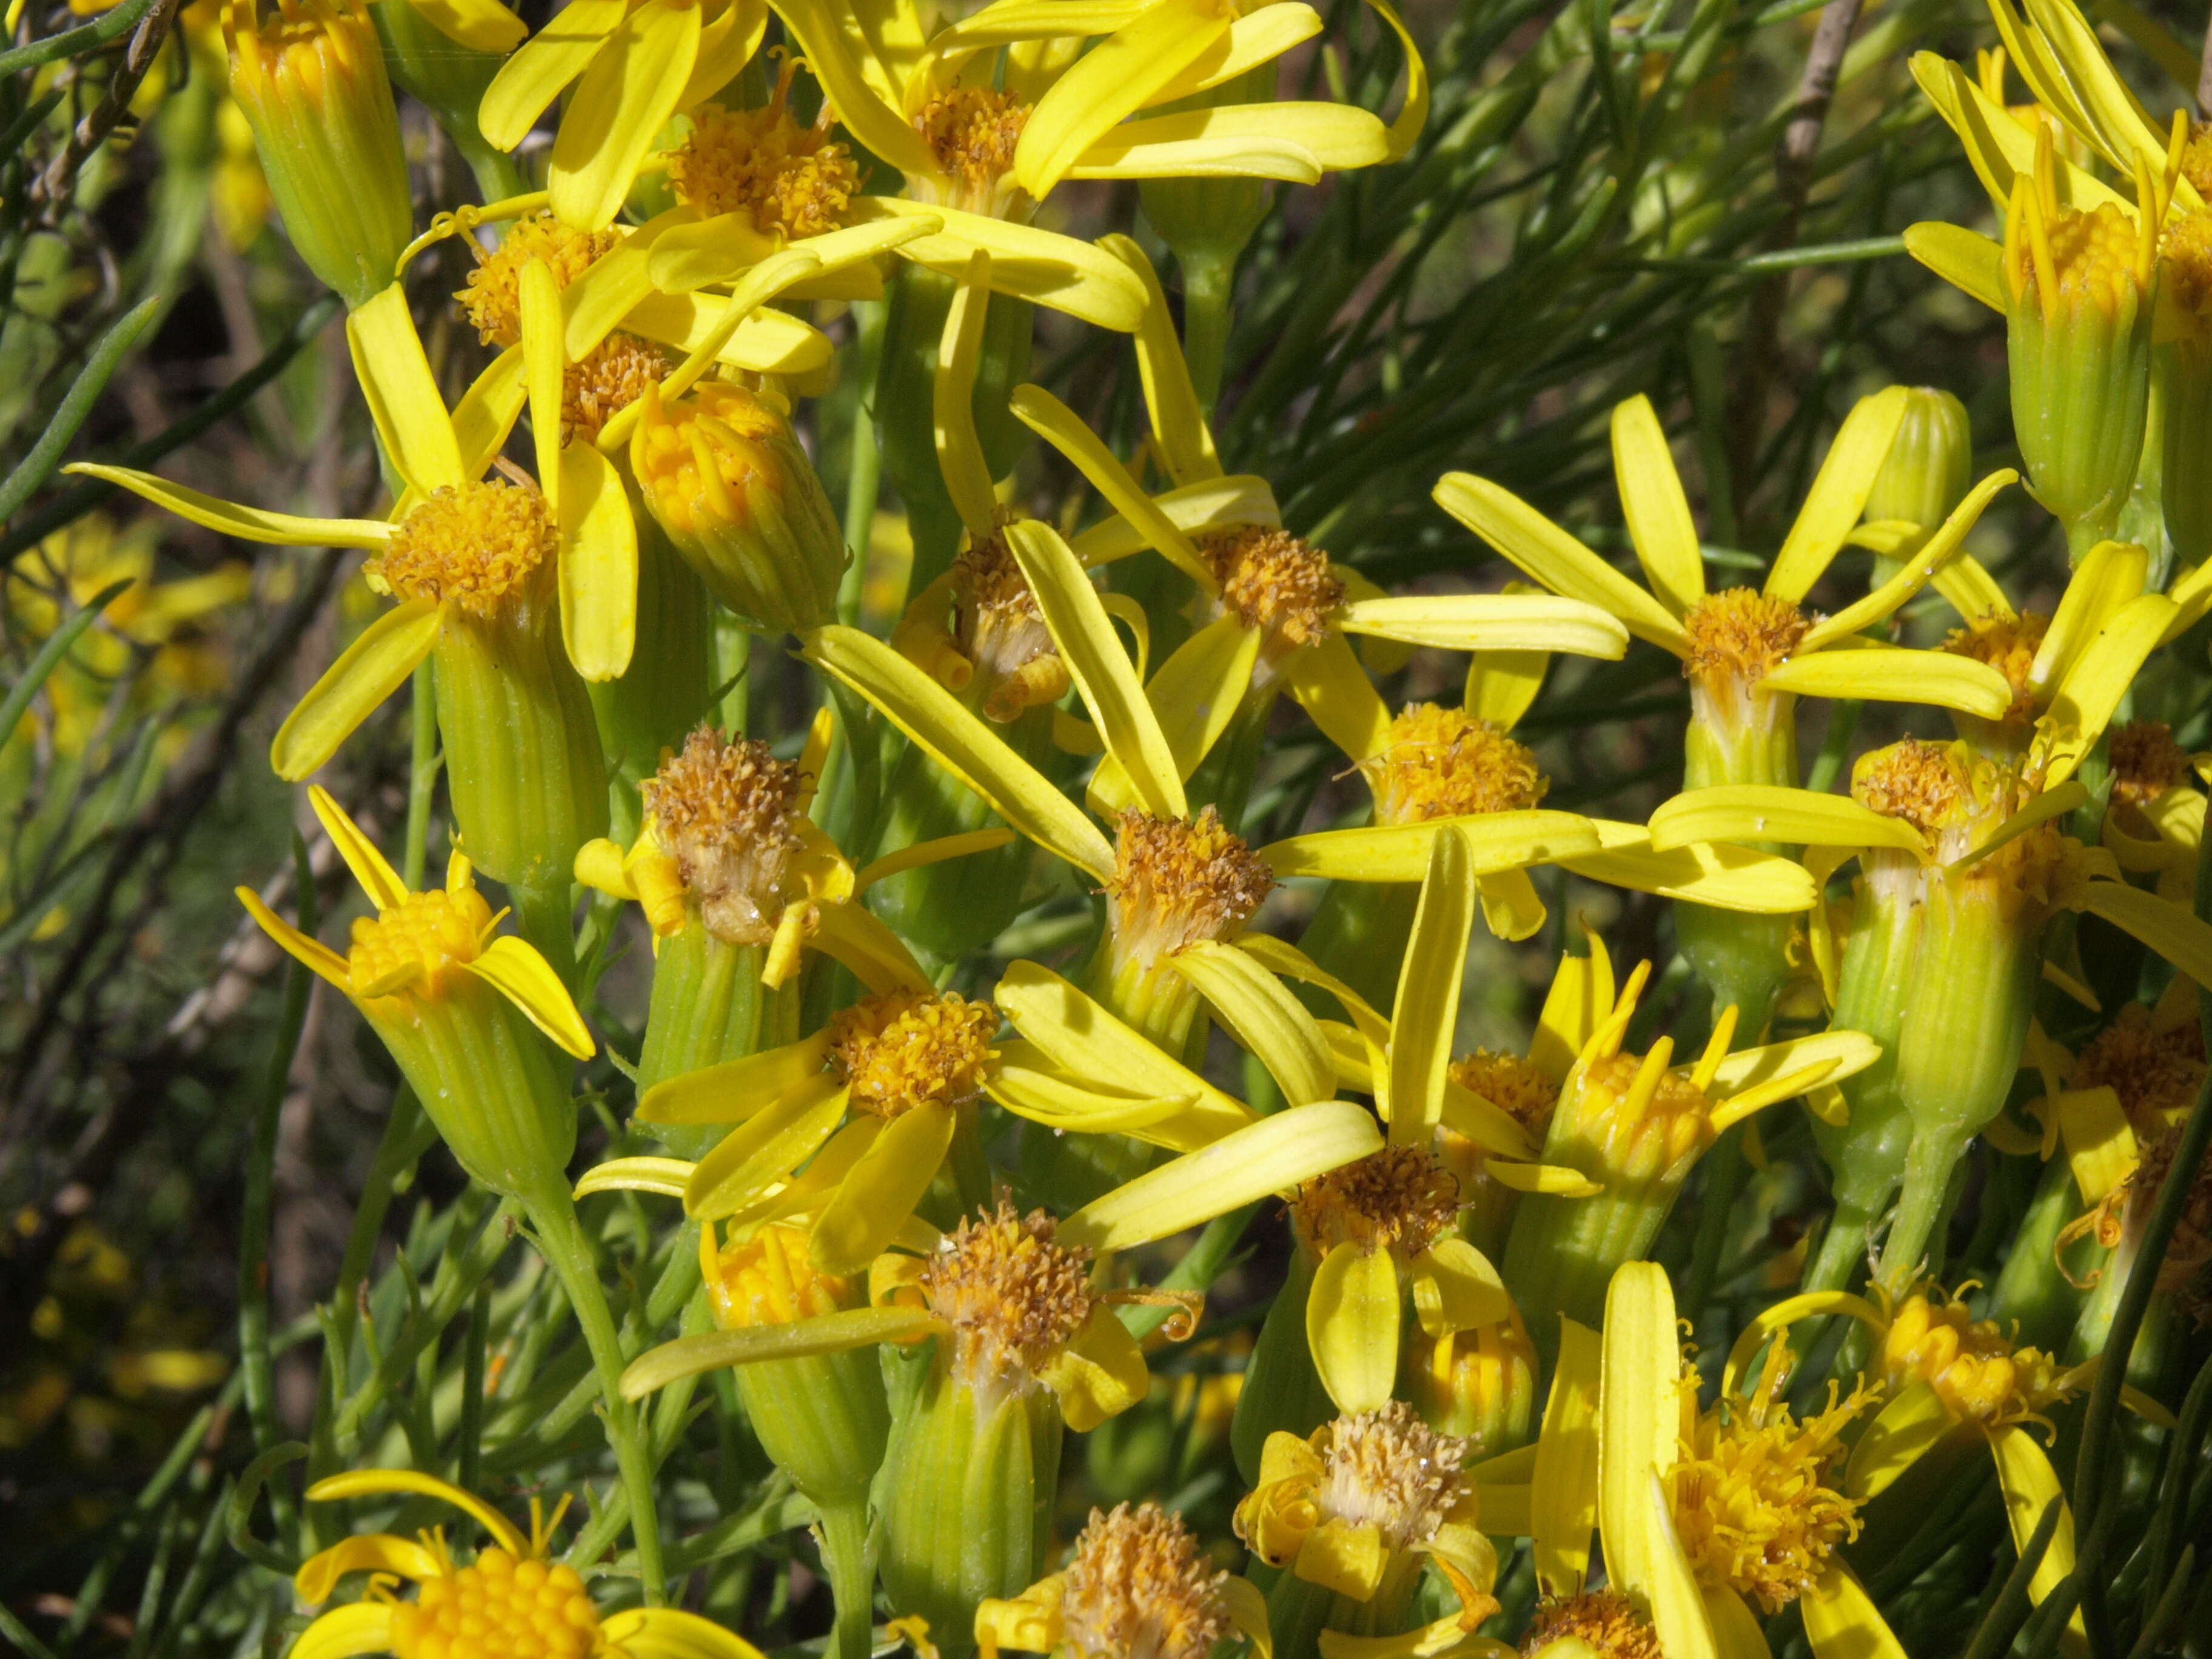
[[510, 1599], [634, 63], [1135, 1583], [987, 114], [1698, 1511], [1747, 653], [1356, 1509]]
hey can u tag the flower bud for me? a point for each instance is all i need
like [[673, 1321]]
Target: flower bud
[[1927, 471], [722, 474], [311, 82], [2080, 285], [522, 752], [2183, 356], [1480, 1385]]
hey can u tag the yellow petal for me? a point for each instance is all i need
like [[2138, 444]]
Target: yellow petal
[[1547, 555], [376, 665], [1750, 1071], [358, 1627], [1401, 851], [1352, 1326], [1708, 873], [2109, 576], [248, 524], [1758, 812], [1838, 497], [1083, 1039], [1511, 907], [1260, 1011], [1179, 425], [1426, 1015], [310, 953], [512, 967], [1112, 81], [372, 1552], [375, 1483], [1330, 685], [528, 82], [833, 1333], [727, 41], [1905, 1429], [1100, 1374], [852, 935], [2042, 809], [1881, 673], [2101, 1146], [1193, 508], [663, 1177], [2093, 691], [598, 564], [1247, 1611], [1486, 622], [403, 394], [1270, 1155], [827, 44], [544, 371], [940, 850], [960, 743], [1563, 1487], [1441, 1638], [1808, 1306], [1060, 426], [1501, 684], [2167, 928], [1639, 1420], [1885, 600], [767, 1147], [1029, 1084], [369, 867], [1735, 1630], [2030, 1486], [736, 1089], [623, 100], [1413, 113], [959, 450], [1196, 693], [1969, 261], [1062, 272], [1554, 1178], [1657, 510], [1581, 997], [1287, 959], [1972, 591], [870, 1204], [1095, 662], [1294, 142], [1456, 1289], [672, 1633]]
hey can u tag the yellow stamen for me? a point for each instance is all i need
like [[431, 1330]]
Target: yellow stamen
[[788, 178], [1752, 1501], [1641, 1119], [2097, 257], [1389, 1470], [1138, 1585], [1179, 880], [498, 1608], [431, 933], [1275, 583], [1980, 1373], [1399, 1199], [2146, 760], [2194, 158], [1596, 1625], [2007, 644], [999, 628], [611, 377], [1926, 784], [726, 810], [769, 1278], [478, 546], [1013, 1298], [1737, 636], [1444, 762], [1511, 1084], [972, 132], [910, 1049], [492, 299]]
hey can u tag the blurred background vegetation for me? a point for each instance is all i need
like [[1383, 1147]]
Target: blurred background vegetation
[[1698, 199]]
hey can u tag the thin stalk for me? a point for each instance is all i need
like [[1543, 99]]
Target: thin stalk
[[546, 916], [560, 1239], [422, 777], [846, 1557], [1209, 290], [864, 473]]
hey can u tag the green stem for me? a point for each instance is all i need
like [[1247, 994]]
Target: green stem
[[562, 1240], [864, 474], [1919, 1206], [422, 777], [1209, 292], [847, 1559]]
